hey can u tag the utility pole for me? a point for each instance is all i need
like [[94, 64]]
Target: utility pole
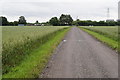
[[108, 13], [77, 18]]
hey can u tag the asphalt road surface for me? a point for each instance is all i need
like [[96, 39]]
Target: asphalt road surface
[[80, 55]]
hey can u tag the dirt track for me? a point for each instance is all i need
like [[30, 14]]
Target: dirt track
[[81, 56]]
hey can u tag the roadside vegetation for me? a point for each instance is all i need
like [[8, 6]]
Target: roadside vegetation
[[106, 34], [27, 49]]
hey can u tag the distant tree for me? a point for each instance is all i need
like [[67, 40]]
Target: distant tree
[[65, 20], [11, 24], [15, 23], [95, 23], [22, 20], [37, 22], [76, 23], [45, 24], [54, 21], [3, 21], [118, 22], [101, 23], [82, 23]]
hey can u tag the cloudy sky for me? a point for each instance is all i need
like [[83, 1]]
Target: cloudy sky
[[43, 10]]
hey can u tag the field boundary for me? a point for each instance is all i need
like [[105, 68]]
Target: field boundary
[[13, 54], [34, 63]]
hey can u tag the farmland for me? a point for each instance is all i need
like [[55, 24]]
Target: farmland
[[26, 50], [106, 34], [19, 42]]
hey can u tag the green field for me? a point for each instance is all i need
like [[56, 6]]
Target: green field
[[26, 50], [19, 34], [106, 34], [22, 46]]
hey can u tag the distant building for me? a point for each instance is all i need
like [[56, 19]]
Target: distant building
[[37, 24], [21, 25]]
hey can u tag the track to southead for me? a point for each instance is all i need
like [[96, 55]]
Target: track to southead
[[80, 55]]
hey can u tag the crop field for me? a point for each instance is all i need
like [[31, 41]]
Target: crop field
[[20, 41], [108, 32], [16, 34]]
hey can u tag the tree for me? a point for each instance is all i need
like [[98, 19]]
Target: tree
[[37, 22], [102, 23], [65, 20], [22, 20], [11, 24], [54, 21], [15, 23], [45, 24], [76, 23], [3, 21], [118, 22]]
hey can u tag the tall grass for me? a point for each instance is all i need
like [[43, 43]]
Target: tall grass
[[106, 34], [108, 31], [20, 41]]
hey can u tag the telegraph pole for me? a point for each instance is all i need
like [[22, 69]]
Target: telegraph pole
[[108, 13]]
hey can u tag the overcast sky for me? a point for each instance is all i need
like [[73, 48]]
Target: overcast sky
[[43, 10]]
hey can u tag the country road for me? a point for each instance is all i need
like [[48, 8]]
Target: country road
[[81, 56]]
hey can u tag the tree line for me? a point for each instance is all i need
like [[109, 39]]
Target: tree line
[[63, 20], [95, 23], [5, 22]]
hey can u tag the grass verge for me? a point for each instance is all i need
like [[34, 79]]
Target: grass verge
[[35, 62], [110, 42], [21, 41]]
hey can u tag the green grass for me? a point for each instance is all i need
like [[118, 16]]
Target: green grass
[[34, 63], [102, 37], [20, 41], [108, 31], [17, 34]]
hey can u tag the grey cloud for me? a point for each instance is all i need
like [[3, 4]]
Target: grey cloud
[[34, 9]]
